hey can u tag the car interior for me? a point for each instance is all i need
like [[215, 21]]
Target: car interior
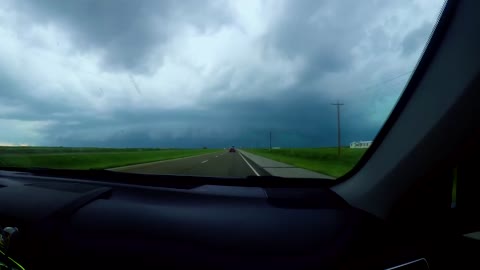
[[412, 202]]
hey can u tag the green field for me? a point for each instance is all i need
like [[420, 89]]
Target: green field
[[322, 160], [88, 158]]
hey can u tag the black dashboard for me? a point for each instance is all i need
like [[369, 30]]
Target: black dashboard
[[88, 224]]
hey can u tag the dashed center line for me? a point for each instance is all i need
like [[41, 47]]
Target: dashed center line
[[204, 161]]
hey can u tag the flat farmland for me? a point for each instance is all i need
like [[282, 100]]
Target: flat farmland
[[88, 157]]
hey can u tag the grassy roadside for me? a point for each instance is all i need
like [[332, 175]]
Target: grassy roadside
[[88, 158], [322, 160]]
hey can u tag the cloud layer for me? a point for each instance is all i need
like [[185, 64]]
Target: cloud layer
[[193, 73]]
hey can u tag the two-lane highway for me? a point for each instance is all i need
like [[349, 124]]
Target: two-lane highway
[[221, 164]]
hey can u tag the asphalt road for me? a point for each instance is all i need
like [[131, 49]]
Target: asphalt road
[[220, 164]]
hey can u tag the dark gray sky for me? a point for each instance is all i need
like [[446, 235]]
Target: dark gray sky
[[214, 73]]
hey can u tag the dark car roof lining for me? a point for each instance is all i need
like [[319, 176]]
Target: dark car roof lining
[[435, 115]]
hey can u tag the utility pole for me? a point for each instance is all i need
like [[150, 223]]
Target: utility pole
[[338, 104], [270, 141]]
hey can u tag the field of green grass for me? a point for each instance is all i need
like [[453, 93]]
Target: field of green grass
[[88, 158], [322, 160]]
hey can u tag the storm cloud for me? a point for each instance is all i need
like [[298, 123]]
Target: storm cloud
[[204, 73]]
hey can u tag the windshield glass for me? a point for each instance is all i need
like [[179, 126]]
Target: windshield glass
[[210, 88]]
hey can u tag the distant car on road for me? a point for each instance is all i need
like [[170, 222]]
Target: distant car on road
[[232, 150]]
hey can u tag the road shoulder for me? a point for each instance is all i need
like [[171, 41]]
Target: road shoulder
[[281, 169]]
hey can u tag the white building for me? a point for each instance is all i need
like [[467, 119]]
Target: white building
[[361, 144]]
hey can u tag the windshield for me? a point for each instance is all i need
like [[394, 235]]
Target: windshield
[[210, 88]]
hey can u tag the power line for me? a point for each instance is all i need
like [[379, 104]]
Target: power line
[[134, 84], [388, 80]]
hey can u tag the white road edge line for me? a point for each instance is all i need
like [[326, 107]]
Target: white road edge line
[[204, 161], [249, 165]]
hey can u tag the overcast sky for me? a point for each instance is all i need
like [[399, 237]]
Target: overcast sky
[[192, 73]]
